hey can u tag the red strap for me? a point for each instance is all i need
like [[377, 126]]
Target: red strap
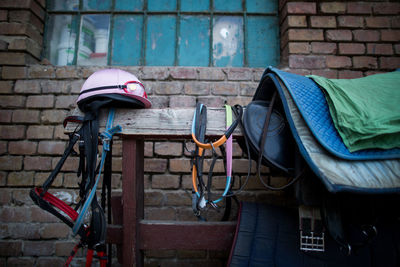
[[89, 257], [73, 253], [103, 258], [58, 204]]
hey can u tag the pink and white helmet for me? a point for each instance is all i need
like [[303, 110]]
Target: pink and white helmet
[[113, 86]]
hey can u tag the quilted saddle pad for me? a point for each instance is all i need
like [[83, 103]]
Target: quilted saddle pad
[[337, 174], [312, 105]]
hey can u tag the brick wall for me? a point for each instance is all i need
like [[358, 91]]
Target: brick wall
[[333, 39]]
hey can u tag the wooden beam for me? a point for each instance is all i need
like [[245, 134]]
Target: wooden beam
[[186, 235], [156, 123]]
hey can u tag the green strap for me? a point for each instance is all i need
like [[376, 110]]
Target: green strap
[[228, 115]]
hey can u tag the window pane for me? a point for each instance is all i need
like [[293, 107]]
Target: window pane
[[195, 5], [161, 5], [96, 5], [224, 5], [61, 36], [194, 45], [93, 40], [262, 41], [161, 40], [261, 6], [228, 42], [127, 40], [131, 5], [67, 5]]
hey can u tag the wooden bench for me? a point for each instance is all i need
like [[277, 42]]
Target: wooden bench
[[129, 230]]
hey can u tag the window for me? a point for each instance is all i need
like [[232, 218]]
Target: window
[[220, 33]]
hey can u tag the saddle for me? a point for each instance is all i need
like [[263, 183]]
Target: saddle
[[290, 129]]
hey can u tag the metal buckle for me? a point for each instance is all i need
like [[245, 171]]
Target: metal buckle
[[312, 233]]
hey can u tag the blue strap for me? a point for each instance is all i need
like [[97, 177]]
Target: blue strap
[[106, 138]]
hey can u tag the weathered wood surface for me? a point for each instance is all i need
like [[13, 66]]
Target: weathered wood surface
[[165, 122]]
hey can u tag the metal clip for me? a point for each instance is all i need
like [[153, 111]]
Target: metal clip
[[312, 235]]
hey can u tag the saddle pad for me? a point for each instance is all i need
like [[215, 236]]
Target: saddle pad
[[269, 236], [312, 105], [338, 174]]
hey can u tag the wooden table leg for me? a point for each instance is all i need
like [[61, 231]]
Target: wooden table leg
[[132, 199]]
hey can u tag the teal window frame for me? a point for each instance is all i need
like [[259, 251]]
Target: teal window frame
[[260, 46]]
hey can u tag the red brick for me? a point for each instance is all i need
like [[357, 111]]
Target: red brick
[[66, 101], [168, 148], [350, 74], [11, 163], [12, 131], [54, 230], [22, 147], [56, 87], [165, 181], [338, 35], [330, 74], [180, 165], [10, 248], [299, 48], [177, 199], [3, 15], [40, 132], [323, 48], [64, 248], [12, 72], [211, 101], [26, 16], [39, 71], [51, 261], [153, 198], [351, 21], [67, 72], [237, 100], [182, 102], [338, 62], [365, 62], [12, 101], [40, 101], [155, 165], [389, 62], [27, 87], [168, 88], [305, 35], [395, 22], [197, 88], [247, 89], [180, 73], [24, 29], [294, 22], [239, 74], [333, 7], [211, 74], [377, 22], [51, 147], [20, 179], [15, 214], [23, 262], [6, 87], [386, 8], [159, 101], [390, 35], [307, 62], [154, 73], [359, 8], [224, 88], [397, 48], [380, 49], [5, 115], [25, 116], [301, 8], [38, 248], [366, 35], [351, 49], [16, 58], [53, 116], [37, 163], [323, 21], [3, 150]]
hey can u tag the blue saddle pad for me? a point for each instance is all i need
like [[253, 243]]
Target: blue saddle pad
[[269, 236], [314, 109]]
